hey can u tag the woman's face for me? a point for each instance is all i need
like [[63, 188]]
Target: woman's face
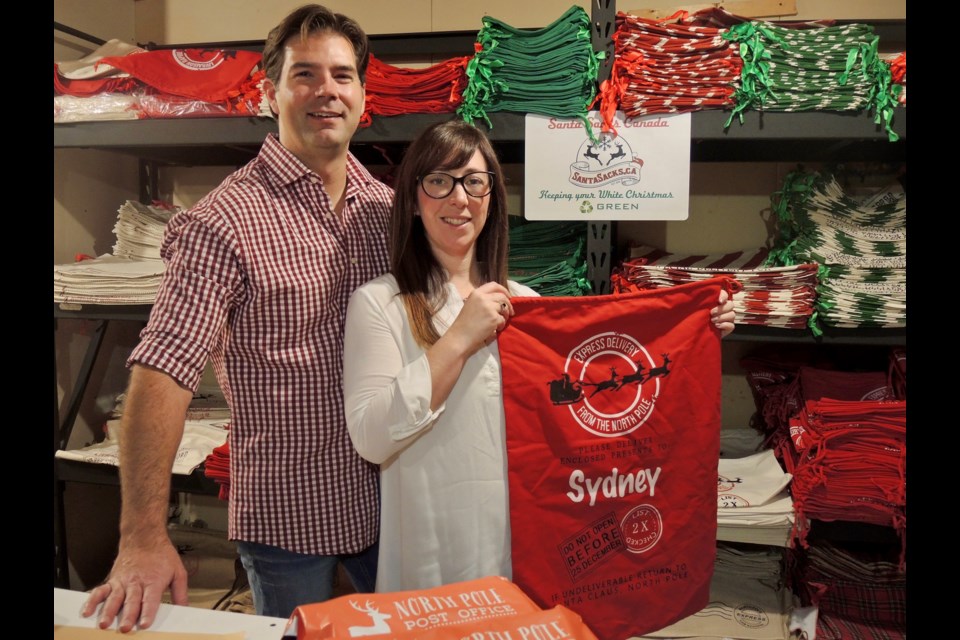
[[454, 222]]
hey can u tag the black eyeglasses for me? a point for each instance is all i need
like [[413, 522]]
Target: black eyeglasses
[[440, 185]]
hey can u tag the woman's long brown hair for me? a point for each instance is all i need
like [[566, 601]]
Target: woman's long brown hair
[[441, 147]]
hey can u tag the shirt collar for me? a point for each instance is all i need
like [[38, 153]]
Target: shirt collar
[[288, 168]]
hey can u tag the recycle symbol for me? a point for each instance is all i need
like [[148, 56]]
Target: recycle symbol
[[586, 207]]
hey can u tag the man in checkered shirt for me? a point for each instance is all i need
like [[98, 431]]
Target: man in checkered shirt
[[258, 275]]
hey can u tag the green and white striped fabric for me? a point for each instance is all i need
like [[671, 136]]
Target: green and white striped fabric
[[861, 247], [831, 68]]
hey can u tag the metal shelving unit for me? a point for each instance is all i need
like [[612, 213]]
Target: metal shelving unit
[[224, 141], [71, 470], [830, 336], [783, 137]]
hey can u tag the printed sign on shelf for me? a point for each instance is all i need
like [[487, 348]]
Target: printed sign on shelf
[[641, 172]]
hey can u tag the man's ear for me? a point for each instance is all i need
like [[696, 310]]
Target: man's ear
[[270, 91]]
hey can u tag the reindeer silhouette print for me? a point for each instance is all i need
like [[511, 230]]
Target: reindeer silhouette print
[[612, 383], [379, 625], [662, 370], [591, 153], [636, 376], [619, 153]]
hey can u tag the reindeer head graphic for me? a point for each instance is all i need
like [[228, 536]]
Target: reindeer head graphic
[[378, 621]]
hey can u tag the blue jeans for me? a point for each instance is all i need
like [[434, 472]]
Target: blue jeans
[[283, 580]]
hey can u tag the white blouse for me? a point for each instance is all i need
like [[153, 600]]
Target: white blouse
[[444, 514]]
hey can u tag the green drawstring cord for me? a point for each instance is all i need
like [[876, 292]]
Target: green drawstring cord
[[814, 324]]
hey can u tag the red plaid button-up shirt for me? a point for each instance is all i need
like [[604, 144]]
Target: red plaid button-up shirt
[[258, 275]]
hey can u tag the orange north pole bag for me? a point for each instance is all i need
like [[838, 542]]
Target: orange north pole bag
[[558, 623], [612, 410], [401, 613]]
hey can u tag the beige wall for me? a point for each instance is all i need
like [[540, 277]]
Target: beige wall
[[728, 204], [188, 21], [184, 21]]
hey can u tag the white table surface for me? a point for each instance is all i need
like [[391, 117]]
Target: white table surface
[[67, 604]]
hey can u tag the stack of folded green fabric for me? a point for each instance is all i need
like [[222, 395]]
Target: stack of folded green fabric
[[550, 257], [550, 71]]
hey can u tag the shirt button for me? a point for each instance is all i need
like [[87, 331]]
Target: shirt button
[[354, 261]]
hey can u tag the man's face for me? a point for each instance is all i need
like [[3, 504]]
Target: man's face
[[319, 99]]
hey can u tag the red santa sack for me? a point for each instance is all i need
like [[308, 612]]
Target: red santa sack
[[210, 75], [613, 436]]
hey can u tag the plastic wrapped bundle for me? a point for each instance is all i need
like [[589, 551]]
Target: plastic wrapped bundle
[[120, 81]]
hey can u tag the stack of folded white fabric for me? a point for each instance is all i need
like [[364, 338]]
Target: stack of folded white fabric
[[139, 229], [131, 275], [753, 501], [200, 438], [748, 600]]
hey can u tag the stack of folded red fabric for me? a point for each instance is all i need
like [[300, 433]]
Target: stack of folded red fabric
[[217, 468], [122, 81], [850, 461], [395, 90], [781, 297], [898, 71], [842, 435]]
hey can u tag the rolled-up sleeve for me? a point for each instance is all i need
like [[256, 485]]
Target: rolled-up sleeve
[[199, 286], [386, 380]]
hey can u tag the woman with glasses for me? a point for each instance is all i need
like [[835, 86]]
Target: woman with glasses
[[422, 370]]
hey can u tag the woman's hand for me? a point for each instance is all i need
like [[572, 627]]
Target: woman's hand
[[484, 314], [723, 315]]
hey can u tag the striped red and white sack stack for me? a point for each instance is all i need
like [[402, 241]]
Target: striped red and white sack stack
[[669, 67], [781, 297]]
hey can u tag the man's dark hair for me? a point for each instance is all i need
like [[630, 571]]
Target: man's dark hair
[[309, 20]]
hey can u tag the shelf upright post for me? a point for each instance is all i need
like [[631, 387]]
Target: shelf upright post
[[603, 17], [61, 436], [61, 578], [149, 182]]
